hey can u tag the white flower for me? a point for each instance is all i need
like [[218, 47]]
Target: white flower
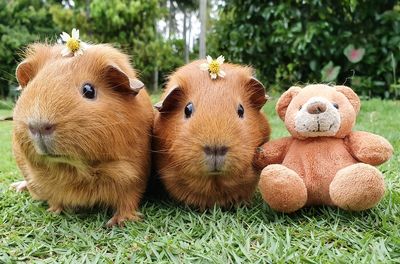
[[214, 67], [73, 45]]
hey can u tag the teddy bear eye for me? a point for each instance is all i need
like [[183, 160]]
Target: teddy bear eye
[[336, 105]]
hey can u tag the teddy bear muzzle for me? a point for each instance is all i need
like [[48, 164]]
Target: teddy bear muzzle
[[317, 117]]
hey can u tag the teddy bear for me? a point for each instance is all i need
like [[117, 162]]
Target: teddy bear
[[323, 162]]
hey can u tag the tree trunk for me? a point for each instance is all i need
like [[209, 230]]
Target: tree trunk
[[203, 21], [190, 37], [155, 79], [87, 13], [171, 21], [185, 17], [3, 92]]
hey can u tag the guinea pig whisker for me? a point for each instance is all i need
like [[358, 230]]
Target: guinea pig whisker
[[65, 121], [159, 151], [18, 120], [172, 165], [104, 125], [155, 136], [162, 171]]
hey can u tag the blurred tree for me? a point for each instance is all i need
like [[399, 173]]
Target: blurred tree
[[203, 22], [172, 23], [187, 7], [21, 22], [291, 41], [128, 25]]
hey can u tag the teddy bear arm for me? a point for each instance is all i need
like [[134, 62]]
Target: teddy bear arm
[[272, 152], [369, 148]]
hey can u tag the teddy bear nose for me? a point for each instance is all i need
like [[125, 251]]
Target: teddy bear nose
[[316, 108]]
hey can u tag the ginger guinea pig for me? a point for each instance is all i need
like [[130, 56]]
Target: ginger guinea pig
[[82, 130], [206, 133]]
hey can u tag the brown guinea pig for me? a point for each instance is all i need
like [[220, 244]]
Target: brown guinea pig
[[206, 133], [82, 127]]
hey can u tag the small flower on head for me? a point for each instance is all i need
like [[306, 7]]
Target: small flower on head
[[214, 67], [73, 45]]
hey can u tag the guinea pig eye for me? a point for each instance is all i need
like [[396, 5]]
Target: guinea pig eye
[[336, 105], [240, 111], [88, 91], [300, 107], [189, 110]]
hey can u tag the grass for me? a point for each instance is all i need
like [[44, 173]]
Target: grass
[[173, 233]]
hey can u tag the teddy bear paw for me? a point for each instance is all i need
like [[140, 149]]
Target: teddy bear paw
[[357, 187], [282, 188]]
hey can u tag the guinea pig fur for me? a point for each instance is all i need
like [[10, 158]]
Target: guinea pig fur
[[82, 130], [206, 133]]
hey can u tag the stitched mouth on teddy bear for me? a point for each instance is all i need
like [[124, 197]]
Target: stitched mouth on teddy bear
[[317, 117]]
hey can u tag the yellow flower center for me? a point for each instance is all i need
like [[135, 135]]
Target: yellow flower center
[[213, 67], [73, 44]]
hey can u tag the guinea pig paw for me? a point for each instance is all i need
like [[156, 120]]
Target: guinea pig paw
[[259, 157], [19, 186], [260, 153], [55, 209], [119, 219]]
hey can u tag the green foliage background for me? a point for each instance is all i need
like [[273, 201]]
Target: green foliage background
[[129, 25], [290, 41], [21, 22], [287, 42]]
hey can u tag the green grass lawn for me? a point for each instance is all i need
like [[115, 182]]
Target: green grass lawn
[[173, 233]]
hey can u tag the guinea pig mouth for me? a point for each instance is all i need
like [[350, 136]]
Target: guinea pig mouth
[[215, 164], [53, 156], [44, 147], [215, 172]]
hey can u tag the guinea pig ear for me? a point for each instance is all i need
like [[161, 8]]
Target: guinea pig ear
[[36, 56], [351, 96], [285, 99], [24, 73], [257, 93], [120, 82], [170, 100]]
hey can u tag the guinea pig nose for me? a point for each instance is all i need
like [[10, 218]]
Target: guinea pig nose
[[42, 128], [216, 150], [316, 108]]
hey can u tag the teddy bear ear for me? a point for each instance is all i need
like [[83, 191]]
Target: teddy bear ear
[[350, 95], [285, 99]]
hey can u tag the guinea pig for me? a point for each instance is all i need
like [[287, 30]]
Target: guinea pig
[[82, 130], [205, 135]]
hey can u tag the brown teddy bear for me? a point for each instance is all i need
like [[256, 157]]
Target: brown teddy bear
[[324, 162]]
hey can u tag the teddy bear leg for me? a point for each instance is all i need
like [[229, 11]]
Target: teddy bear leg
[[282, 188], [357, 187]]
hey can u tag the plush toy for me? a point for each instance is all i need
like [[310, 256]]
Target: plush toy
[[324, 162]]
